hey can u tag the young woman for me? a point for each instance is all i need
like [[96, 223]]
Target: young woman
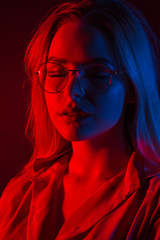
[[94, 119]]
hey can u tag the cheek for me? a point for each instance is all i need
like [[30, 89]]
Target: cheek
[[111, 106]]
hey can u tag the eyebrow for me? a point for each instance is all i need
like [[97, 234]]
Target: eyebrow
[[101, 59]]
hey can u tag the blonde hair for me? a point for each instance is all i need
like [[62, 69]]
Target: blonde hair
[[136, 46]]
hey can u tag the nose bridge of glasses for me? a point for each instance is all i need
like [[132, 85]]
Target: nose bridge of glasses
[[75, 71], [76, 83]]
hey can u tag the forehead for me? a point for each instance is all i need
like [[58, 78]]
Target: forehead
[[76, 43]]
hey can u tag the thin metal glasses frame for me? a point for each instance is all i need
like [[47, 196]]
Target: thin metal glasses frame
[[111, 72]]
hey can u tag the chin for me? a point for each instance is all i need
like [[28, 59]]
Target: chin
[[73, 138], [73, 135]]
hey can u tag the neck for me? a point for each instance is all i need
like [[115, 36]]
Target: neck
[[100, 158]]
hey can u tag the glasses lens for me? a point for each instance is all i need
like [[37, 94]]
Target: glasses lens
[[95, 78], [52, 77]]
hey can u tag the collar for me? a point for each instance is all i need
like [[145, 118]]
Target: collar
[[139, 168], [89, 212]]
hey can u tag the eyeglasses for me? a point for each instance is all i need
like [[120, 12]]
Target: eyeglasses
[[95, 78]]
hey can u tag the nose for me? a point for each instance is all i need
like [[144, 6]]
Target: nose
[[73, 88]]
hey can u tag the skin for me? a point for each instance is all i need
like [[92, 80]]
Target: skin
[[100, 150]]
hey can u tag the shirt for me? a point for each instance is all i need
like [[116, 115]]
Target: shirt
[[125, 207]]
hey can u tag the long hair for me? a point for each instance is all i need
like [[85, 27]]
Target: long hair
[[138, 50]]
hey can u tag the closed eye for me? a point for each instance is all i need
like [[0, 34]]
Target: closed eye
[[53, 74]]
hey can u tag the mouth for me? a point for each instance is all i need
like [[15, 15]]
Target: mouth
[[72, 116], [75, 114]]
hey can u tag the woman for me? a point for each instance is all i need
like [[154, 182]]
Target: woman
[[94, 118]]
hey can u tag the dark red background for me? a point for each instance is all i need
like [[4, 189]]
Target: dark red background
[[18, 19]]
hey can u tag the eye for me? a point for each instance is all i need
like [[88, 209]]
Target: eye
[[56, 74]]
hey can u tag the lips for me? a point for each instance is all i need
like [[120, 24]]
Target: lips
[[72, 117], [77, 112]]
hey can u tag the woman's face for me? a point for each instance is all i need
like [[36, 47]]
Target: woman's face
[[77, 44]]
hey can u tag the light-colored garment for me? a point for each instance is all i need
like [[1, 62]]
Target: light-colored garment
[[125, 207]]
